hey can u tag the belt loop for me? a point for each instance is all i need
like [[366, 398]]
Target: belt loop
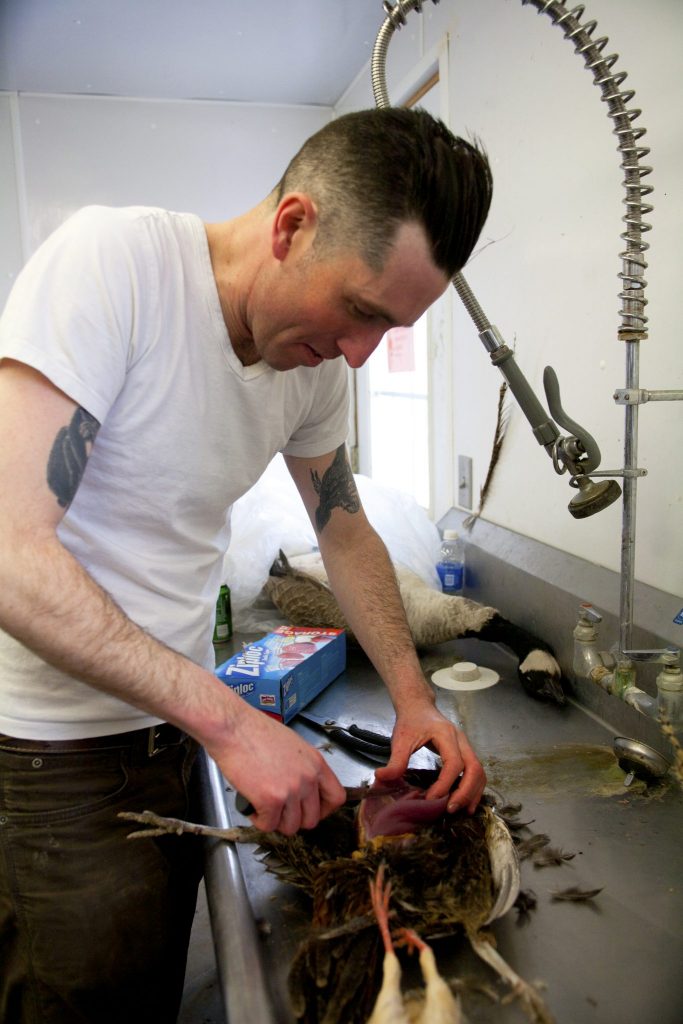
[[152, 737]]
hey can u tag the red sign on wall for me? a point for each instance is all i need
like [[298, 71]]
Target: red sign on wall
[[400, 350]]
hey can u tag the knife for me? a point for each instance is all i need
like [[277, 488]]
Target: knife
[[354, 795]]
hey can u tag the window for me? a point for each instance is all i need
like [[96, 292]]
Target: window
[[403, 415], [399, 412]]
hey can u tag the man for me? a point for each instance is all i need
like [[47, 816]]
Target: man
[[141, 393]]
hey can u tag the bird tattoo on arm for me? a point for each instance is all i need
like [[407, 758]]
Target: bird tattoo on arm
[[336, 489], [69, 455]]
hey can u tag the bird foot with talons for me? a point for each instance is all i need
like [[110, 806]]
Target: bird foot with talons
[[160, 826]]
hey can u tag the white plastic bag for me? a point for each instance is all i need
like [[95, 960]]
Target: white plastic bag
[[271, 517]]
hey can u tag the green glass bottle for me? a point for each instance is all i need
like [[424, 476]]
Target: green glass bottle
[[222, 630]]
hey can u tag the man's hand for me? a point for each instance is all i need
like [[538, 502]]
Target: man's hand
[[425, 726], [286, 780]]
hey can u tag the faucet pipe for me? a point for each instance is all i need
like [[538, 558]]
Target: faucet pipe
[[667, 705], [618, 678], [579, 452], [628, 508], [395, 19], [639, 396], [544, 430]]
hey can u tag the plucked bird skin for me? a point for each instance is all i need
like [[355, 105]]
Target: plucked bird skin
[[394, 809], [299, 588]]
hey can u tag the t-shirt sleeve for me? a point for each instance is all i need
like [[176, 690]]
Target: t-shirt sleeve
[[71, 312], [327, 423]]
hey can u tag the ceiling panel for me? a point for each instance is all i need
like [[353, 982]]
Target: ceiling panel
[[264, 51]]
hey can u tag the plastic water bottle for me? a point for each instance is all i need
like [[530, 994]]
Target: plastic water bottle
[[451, 564]]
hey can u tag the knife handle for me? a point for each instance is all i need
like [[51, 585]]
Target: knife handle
[[244, 805]]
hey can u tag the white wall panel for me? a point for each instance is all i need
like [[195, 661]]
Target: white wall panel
[[11, 258], [214, 159]]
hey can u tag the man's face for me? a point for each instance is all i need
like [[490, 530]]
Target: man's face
[[317, 308]]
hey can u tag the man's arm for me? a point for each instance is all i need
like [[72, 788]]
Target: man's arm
[[364, 583], [54, 607]]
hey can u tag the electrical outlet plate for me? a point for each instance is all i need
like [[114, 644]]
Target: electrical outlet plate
[[465, 482]]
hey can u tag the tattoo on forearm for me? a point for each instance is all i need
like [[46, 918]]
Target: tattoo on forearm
[[69, 456], [337, 489]]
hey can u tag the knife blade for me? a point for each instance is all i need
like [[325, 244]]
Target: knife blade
[[354, 794]]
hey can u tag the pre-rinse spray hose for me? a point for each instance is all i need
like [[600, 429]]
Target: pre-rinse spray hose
[[632, 312]]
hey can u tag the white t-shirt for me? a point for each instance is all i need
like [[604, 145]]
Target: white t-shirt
[[119, 309]]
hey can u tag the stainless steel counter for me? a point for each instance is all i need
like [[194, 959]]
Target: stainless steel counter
[[617, 959]]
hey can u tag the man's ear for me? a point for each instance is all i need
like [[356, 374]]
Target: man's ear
[[294, 224]]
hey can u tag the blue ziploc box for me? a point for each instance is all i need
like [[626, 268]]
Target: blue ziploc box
[[282, 672]]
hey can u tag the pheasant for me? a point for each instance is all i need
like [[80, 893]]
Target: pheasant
[[473, 877]]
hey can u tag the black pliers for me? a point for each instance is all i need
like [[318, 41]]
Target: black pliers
[[375, 746]]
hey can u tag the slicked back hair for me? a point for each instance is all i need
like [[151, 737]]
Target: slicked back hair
[[370, 171]]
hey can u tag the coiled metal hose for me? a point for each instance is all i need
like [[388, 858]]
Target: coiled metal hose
[[632, 312]]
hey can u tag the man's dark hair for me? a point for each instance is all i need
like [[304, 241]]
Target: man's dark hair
[[372, 170]]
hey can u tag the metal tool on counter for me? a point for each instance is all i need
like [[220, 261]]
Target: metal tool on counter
[[375, 746]]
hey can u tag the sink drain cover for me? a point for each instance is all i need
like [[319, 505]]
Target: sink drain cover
[[465, 675]]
